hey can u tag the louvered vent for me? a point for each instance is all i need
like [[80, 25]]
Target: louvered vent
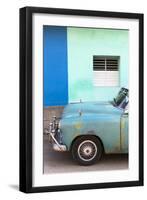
[[106, 70]]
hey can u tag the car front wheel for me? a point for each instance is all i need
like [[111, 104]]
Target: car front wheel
[[86, 150]]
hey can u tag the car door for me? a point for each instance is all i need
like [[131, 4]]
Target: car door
[[124, 132]]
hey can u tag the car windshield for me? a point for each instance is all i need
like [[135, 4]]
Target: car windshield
[[121, 99]]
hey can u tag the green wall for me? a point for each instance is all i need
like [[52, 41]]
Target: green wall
[[83, 43]]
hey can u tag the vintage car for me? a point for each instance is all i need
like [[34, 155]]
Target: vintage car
[[89, 129]]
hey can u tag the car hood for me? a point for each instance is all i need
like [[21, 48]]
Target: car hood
[[85, 108]]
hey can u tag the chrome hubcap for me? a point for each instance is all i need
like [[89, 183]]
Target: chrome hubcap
[[87, 150]]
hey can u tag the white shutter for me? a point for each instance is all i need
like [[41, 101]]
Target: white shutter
[[105, 70], [106, 78]]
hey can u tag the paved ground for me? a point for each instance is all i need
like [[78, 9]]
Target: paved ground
[[58, 162]]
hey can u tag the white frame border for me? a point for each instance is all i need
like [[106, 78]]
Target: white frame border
[[132, 174]]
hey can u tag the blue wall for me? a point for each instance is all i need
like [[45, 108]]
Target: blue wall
[[55, 65]]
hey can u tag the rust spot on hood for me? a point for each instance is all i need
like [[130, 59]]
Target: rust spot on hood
[[78, 125]]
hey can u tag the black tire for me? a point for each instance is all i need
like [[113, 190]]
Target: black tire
[[86, 150]]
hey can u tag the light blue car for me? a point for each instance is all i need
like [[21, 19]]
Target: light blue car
[[89, 129]]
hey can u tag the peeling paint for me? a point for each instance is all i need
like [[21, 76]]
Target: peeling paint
[[122, 123], [78, 125]]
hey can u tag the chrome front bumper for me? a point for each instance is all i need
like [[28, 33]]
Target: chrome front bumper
[[56, 145], [59, 147]]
